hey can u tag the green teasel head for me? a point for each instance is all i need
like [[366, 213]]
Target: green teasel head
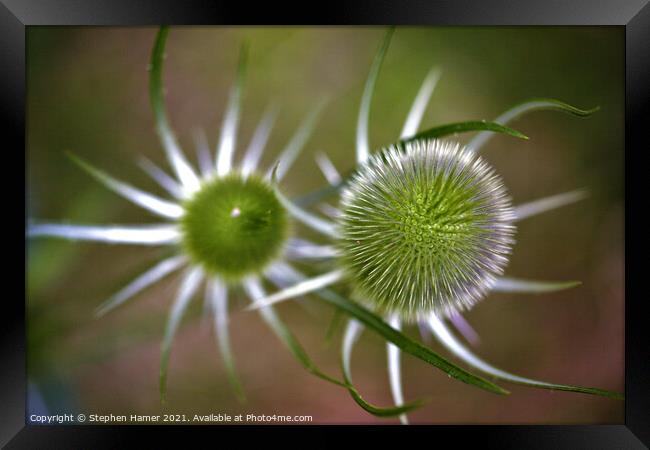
[[425, 226], [234, 226]]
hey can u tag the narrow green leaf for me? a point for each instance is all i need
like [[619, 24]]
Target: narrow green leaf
[[407, 345], [181, 167], [436, 132], [568, 388], [335, 324], [379, 411], [289, 340], [542, 104], [363, 148], [539, 104], [352, 332], [486, 128], [462, 127], [455, 346], [155, 79], [534, 104], [233, 377]]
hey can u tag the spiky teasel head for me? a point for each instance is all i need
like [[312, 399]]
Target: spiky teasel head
[[234, 226], [426, 226]]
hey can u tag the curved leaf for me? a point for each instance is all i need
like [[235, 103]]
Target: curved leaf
[[436, 132], [534, 104], [384, 412], [155, 79], [498, 126], [463, 127], [335, 324], [351, 334], [288, 339], [448, 340], [282, 331], [363, 148], [407, 345], [255, 291], [182, 168]]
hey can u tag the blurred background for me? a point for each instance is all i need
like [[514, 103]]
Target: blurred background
[[88, 93]]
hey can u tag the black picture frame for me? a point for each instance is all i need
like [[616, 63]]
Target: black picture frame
[[633, 15]]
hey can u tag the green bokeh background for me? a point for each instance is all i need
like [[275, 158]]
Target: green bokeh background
[[88, 93]]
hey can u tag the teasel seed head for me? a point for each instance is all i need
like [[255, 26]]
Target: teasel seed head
[[426, 226], [234, 226]]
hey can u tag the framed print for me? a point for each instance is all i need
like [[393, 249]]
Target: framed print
[[407, 213]]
